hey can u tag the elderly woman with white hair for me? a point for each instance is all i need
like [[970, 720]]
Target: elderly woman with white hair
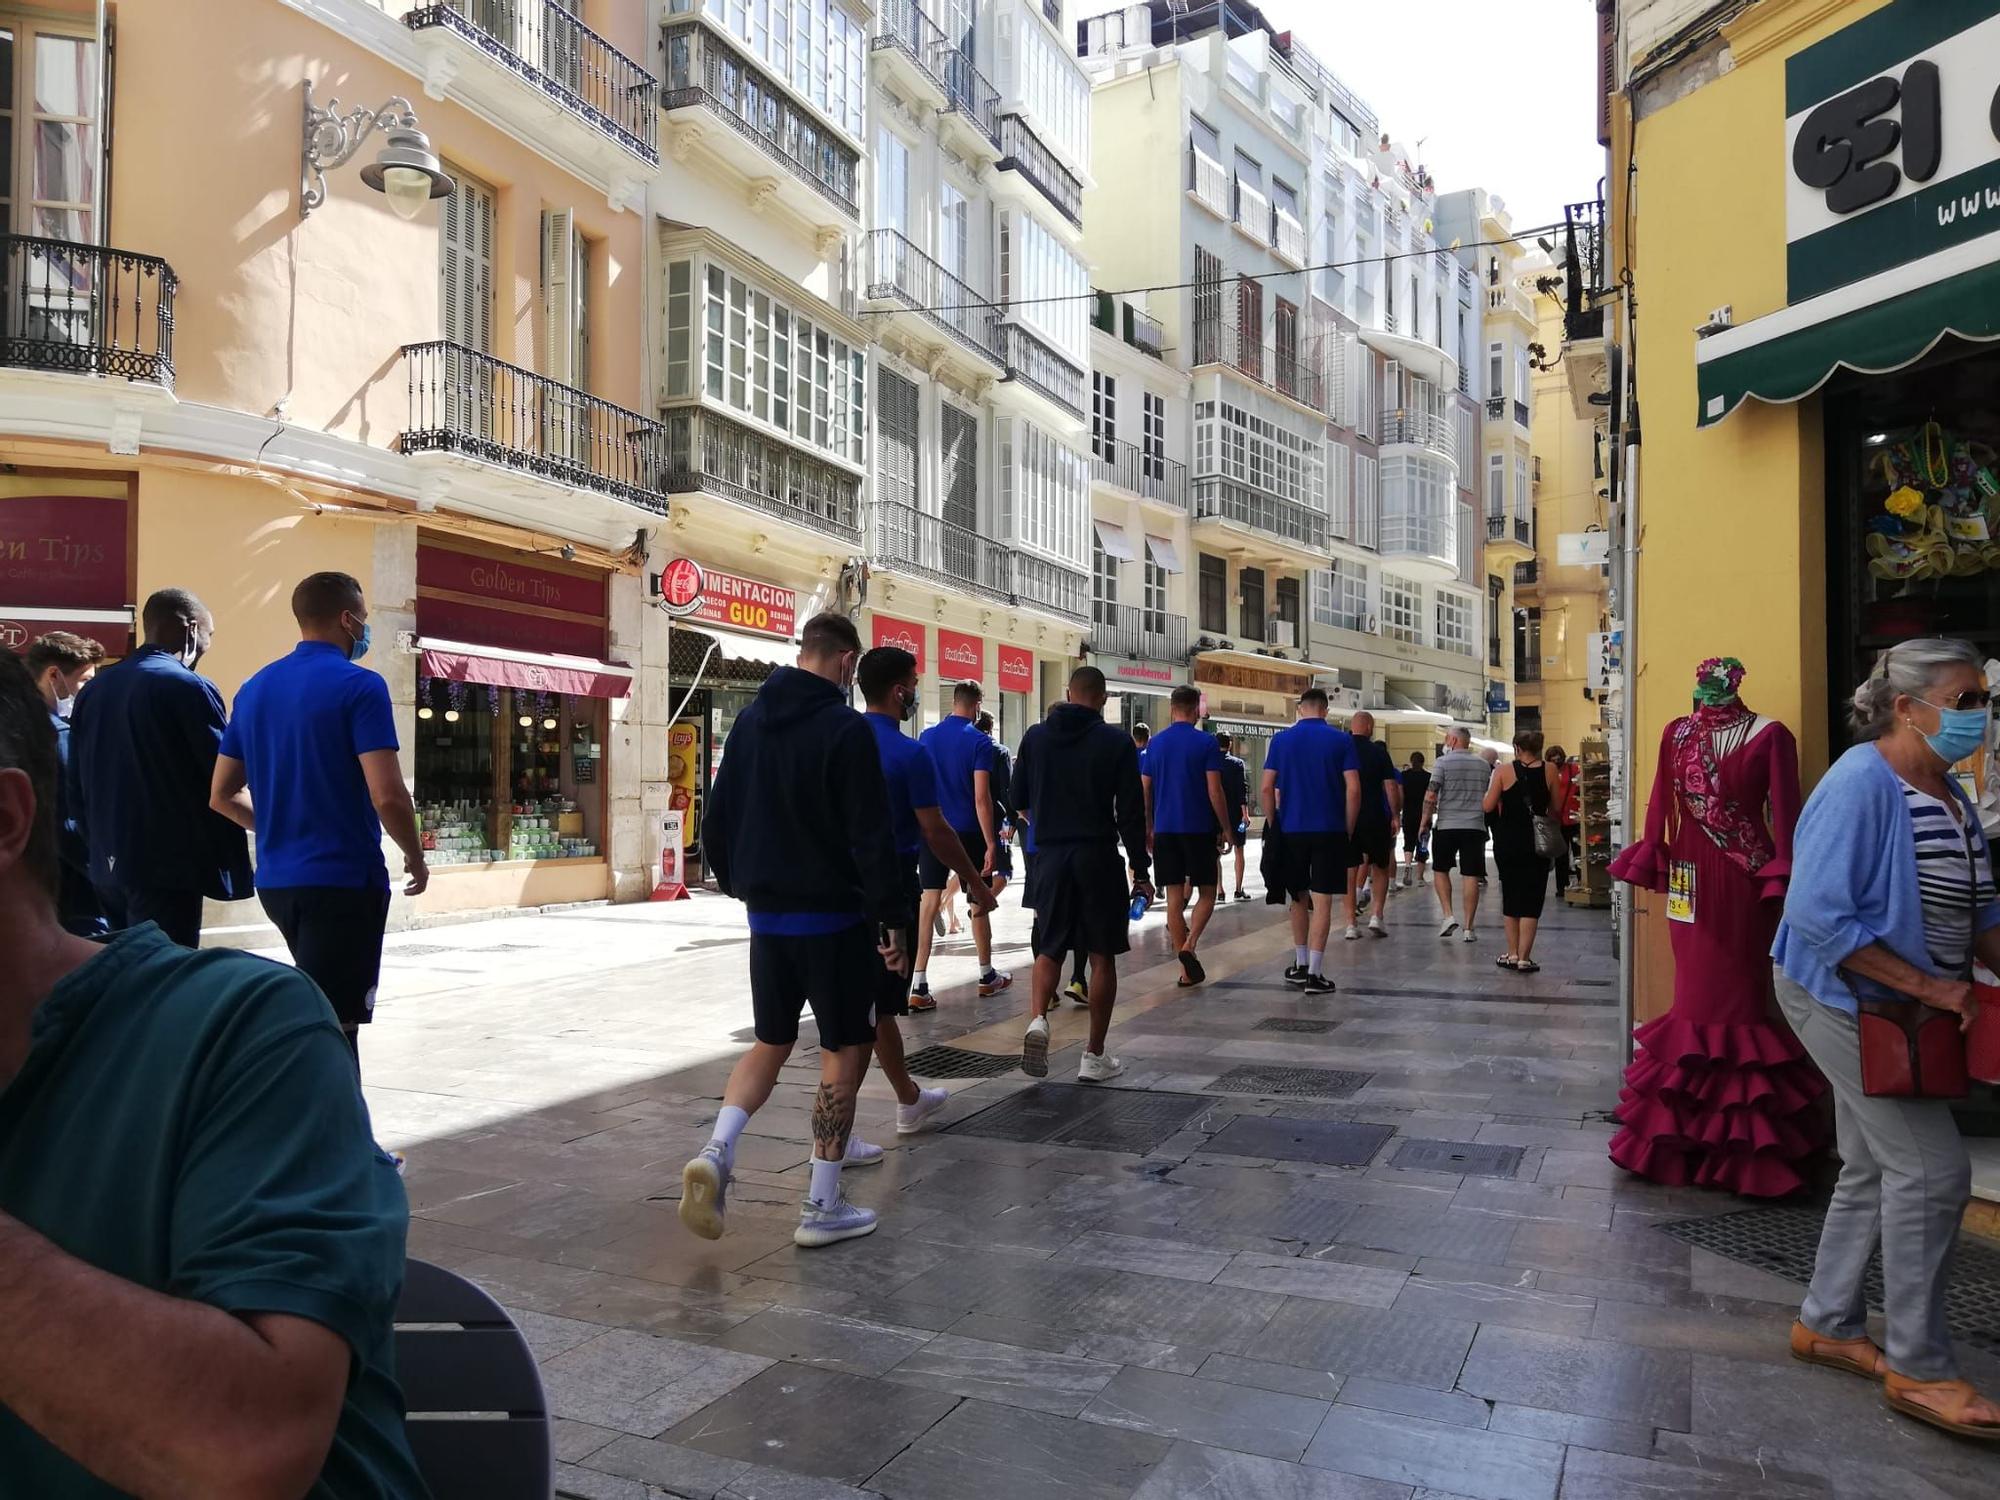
[[1891, 899]]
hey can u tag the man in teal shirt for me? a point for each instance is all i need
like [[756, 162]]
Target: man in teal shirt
[[200, 1247]]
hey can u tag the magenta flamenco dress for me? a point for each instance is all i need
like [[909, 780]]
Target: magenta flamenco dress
[[1720, 1093]]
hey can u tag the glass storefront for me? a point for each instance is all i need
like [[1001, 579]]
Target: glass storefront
[[508, 773]]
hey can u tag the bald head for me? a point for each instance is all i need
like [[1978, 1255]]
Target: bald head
[[1362, 725], [1490, 756]]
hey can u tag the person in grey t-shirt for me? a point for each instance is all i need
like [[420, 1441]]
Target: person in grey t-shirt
[[1456, 824]]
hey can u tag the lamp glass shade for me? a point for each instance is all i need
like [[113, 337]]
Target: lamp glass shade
[[407, 190]]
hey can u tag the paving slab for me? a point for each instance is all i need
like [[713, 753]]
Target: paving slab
[[1346, 1339], [1192, 1469], [813, 1421], [1038, 1380], [1459, 1460], [1588, 1377], [985, 1449], [1208, 1411]]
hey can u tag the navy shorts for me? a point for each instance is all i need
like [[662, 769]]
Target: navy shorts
[[839, 974], [335, 937], [1318, 863], [933, 872], [1185, 859], [1082, 902]]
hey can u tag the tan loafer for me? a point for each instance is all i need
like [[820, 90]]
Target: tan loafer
[[1856, 1356], [1953, 1405]]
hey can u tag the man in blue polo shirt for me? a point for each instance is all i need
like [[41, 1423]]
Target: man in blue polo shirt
[[314, 743], [964, 760], [1182, 773], [200, 1249], [1312, 780]]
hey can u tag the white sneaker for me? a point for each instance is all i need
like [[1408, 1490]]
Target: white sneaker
[[831, 1224], [1447, 927], [1353, 934], [1096, 1067], [704, 1185], [1035, 1048], [910, 1118], [1468, 936], [861, 1154], [1375, 927]]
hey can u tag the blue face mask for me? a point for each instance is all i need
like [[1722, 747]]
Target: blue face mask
[[1960, 732], [359, 646]]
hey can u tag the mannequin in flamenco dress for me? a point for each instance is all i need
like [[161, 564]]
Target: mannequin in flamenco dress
[[1720, 1093]]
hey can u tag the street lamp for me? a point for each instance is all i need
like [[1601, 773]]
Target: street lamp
[[406, 171]]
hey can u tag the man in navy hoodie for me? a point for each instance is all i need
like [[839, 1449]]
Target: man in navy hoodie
[[799, 830], [1076, 780]]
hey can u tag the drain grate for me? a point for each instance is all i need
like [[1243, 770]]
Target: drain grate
[[1331, 1143], [957, 1062], [1784, 1240], [1301, 1025], [1461, 1157], [1323, 1083], [1076, 1114]]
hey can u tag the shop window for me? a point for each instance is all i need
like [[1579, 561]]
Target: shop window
[[508, 773]]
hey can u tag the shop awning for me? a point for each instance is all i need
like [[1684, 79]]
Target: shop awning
[[740, 645], [1237, 658], [1112, 538], [496, 666], [1164, 552], [1872, 326], [1401, 709]]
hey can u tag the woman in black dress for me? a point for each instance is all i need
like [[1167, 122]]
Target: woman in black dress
[[1521, 789]]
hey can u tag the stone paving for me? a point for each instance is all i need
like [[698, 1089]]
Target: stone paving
[[1479, 1306]]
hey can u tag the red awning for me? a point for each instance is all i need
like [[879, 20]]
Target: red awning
[[581, 676]]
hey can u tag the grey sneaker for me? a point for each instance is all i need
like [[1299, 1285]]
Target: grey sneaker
[[1035, 1048], [704, 1185], [860, 1153], [1098, 1067], [910, 1118], [832, 1223]]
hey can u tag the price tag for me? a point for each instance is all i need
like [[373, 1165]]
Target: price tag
[[1680, 891]]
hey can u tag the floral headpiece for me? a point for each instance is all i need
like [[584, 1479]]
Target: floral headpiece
[[1716, 681]]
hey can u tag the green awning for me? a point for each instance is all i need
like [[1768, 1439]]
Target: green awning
[[1873, 326]]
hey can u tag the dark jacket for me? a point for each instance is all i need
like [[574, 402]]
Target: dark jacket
[[1275, 864], [1077, 779], [798, 818], [77, 902], [142, 746], [1002, 777]]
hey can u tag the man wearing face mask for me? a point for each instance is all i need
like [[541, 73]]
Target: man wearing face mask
[[142, 754], [309, 765], [60, 664]]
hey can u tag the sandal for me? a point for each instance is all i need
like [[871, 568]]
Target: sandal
[[1952, 1413], [1506, 961], [1192, 972], [1856, 1356], [1526, 966]]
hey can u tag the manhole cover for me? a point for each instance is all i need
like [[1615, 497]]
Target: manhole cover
[[1785, 1239], [1333, 1143], [1303, 1025], [1324, 1083], [956, 1062], [1457, 1156], [1077, 1114]]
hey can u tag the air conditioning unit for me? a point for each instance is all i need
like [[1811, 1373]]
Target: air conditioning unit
[[1281, 633], [1371, 625]]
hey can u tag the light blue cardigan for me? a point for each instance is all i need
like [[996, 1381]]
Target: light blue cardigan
[[1854, 881]]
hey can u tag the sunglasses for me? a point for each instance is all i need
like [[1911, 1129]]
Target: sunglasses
[[1973, 699]]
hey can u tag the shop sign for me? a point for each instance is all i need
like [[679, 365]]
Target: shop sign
[[1497, 701], [1017, 670], [64, 552], [1892, 140], [1255, 679], [1583, 549], [1605, 659], [681, 586], [745, 604], [961, 657], [489, 600], [905, 635]]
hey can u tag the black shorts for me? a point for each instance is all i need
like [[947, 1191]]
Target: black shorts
[[1318, 863], [1082, 901], [932, 872], [1410, 837], [1464, 848], [837, 973], [892, 995], [1371, 844], [1185, 859], [335, 935]]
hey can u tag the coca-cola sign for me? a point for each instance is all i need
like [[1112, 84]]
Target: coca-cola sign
[[905, 635]]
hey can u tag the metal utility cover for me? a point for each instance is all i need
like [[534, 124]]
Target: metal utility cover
[[957, 1062], [1075, 1114], [1332, 1143], [1461, 1157], [1302, 1025], [1262, 1078]]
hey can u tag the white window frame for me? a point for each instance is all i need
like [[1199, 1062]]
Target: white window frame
[[1402, 609], [1455, 617]]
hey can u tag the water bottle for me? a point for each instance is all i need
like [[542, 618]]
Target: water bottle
[[1242, 831], [1140, 901]]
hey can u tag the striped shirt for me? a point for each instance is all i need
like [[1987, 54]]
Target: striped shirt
[[1952, 880]]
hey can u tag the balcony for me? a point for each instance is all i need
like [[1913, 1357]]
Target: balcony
[[1220, 341], [760, 128], [86, 310], [1208, 183], [473, 405], [1253, 213], [911, 541], [911, 48], [1528, 574], [1514, 299], [1137, 634], [704, 453], [1150, 476], [1294, 533], [1496, 408], [972, 105], [1022, 151], [1433, 431], [1032, 364], [1504, 532], [1288, 237], [1420, 516], [913, 286], [550, 50], [1527, 668], [1109, 314], [1586, 362]]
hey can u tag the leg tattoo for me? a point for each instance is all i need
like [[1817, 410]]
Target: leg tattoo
[[832, 1119]]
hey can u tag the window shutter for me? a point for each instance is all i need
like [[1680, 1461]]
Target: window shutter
[[558, 296], [1607, 67]]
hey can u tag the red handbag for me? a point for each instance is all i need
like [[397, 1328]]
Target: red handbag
[[1910, 1051]]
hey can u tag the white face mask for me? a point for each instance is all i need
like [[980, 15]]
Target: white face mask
[[64, 705]]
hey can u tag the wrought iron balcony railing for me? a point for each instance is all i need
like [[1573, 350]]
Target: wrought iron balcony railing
[[1053, 587], [548, 47], [1500, 527], [704, 72], [1583, 271], [1036, 365], [462, 401], [1496, 408], [912, 541], [1153, 475], [905, 27], [1021, 150], [1217, 498], [1432, 430], [86, 310], [1120, 319], [1208, 180], [1286, 370], [1527, 668], [898, 270], [968, 93], [707, 453], [1521, 414], [1139, 634]]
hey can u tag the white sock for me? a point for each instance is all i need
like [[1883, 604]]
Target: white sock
[[1299, 955], [729, 1123], [825, 1189], [1315, 961], [918, 980]]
